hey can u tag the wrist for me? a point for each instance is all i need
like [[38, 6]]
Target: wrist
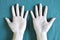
[[41, 35], [17, 36]]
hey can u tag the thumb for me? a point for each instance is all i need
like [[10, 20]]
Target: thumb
[[8, 21], [52, 20]]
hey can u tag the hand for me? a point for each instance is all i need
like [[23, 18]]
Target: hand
[[40, 22], [18, 25]]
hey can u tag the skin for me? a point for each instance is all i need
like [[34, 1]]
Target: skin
[[18, 24], [41, 25]]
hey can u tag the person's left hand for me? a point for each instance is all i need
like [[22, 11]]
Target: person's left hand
[[40, 22], [41, 25]]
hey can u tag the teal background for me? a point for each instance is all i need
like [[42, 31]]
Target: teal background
[[53, 11]]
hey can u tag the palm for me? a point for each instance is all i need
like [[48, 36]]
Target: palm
[[18, 23], [40, 22]]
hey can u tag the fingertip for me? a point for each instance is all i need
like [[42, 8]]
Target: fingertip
[[12, 6], [31, 11], [6, 18], [27, 10], [23, 6], [17, 4], [40, 4], [36, 7], [46, 7], [54, 18]]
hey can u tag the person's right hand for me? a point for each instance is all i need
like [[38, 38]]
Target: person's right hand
[[18, 25]]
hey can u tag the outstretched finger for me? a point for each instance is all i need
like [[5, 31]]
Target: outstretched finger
[[36, 10], [40, 9], [32, 15], [8, 21], [26, 14], [22, 11], [17, 9], [45, 12], [52, 20], [13, 11]]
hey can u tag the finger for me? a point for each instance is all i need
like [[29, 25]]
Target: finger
[[26, 14], [22, 11], [52, 20], [13, 11], [32, 15], [36, 10], [40, 9], [8, 21], [45, 12], [17, 9]]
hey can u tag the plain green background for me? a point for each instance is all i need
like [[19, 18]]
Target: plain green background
[[53, 11]]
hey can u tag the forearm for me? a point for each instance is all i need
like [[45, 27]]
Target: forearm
[[17, 36], [41, 36]]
